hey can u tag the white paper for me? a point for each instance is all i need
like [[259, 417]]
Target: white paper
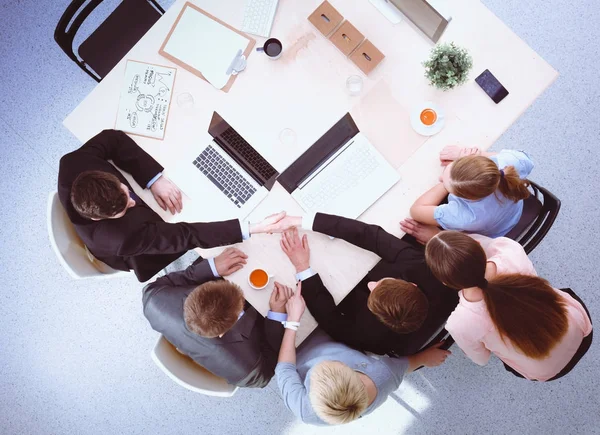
[[205, 45], [145, 99]]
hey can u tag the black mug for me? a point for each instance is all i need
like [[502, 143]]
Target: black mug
[[272, 48]]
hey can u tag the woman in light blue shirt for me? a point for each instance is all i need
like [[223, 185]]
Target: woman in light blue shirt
[[331, 383], [485, 192]]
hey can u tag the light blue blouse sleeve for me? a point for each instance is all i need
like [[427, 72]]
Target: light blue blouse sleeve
[[397, 368], [292, 389], [452, 216], [519, 159]]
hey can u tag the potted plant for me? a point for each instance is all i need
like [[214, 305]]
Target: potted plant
[[448, 66]]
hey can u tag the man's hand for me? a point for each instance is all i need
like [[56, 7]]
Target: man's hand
[[229, 261], [297, 250], [279, 297], [295, 305], [453, 152], [167, 195], [422, 232], [276, 223]]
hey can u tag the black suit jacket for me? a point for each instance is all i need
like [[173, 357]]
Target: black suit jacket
[[351, 322], [246, 355], [140, 240]]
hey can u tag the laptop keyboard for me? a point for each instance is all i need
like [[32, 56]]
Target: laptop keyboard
[[223, 175], [351, 167], [249, 154]]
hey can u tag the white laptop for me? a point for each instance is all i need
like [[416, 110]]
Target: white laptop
[[342, 173], [227, 176]]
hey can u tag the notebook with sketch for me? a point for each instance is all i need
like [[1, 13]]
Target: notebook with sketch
[[145, 99], [205, 46]]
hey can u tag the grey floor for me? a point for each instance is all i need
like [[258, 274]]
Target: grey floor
[[74, 357]]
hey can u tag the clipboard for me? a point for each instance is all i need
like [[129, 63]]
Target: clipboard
[[179, 62]]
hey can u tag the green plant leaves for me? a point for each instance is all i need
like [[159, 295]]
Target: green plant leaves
[[448, 66]]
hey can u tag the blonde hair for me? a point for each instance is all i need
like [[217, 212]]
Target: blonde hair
[[337, 394], [475, 177]]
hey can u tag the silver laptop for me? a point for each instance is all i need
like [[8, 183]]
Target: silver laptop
[[342, 173], [227, 177]]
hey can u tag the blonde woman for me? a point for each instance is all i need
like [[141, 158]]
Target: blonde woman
[[485, 194], [330, 383]]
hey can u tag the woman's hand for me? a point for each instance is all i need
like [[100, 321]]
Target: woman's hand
[[295, 305], [453, 152], [430, 357]]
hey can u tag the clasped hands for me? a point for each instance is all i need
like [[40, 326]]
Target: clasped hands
[[283, 298]]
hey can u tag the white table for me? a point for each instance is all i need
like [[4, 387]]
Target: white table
[[305, 91]]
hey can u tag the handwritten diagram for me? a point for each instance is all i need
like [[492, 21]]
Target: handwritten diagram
[[145, 99]]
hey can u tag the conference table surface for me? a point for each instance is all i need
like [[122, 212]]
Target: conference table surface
[[305, 91]]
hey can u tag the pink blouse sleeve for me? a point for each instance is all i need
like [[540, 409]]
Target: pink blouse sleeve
[[468, 336]]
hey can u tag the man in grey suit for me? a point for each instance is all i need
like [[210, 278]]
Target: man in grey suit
[[207, 318]]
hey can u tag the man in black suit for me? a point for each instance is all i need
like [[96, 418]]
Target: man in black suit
[[395, 309], [207, 318], [118, 227]]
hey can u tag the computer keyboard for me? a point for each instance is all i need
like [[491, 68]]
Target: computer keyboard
[[259, 16], [223, 175], [249, 154], [352, 166]]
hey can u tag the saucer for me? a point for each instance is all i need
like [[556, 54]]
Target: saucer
[[427, 130]]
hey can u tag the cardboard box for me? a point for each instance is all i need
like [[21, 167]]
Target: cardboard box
[[346, 38], [326, 18], [367, 56]]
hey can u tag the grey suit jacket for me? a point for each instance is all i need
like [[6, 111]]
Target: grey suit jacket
[[246, 355]]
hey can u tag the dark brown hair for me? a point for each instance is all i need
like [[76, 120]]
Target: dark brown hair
[[399, 305], [475, 177], [213, 308], [525, 309], [98, 195]]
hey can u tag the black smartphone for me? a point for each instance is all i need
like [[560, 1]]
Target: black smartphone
[[491, 86]]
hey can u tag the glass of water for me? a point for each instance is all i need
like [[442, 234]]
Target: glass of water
[[354, 85], [287, 137], [185, 100]]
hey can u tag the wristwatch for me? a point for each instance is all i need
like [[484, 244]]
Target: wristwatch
[[291, 325]]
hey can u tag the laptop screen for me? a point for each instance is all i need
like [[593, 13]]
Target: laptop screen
[[327, 145], [424, 16]]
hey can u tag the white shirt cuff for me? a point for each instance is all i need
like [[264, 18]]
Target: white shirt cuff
[[308, 219], [213, 268], [151, 182], [245, 227], [305, 274]]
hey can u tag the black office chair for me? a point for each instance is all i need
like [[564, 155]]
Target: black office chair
[[111, 41], [539, 213]]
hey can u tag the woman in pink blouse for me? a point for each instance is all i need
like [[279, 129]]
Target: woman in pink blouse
[[504, 307]]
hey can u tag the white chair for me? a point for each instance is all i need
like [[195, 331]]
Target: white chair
[[72, 253], [184, 371]]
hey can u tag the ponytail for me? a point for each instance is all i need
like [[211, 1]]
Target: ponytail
[[512, 186], [476, 177], [528, 312]]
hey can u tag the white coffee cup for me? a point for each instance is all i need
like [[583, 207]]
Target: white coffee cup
[[259, 278]]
